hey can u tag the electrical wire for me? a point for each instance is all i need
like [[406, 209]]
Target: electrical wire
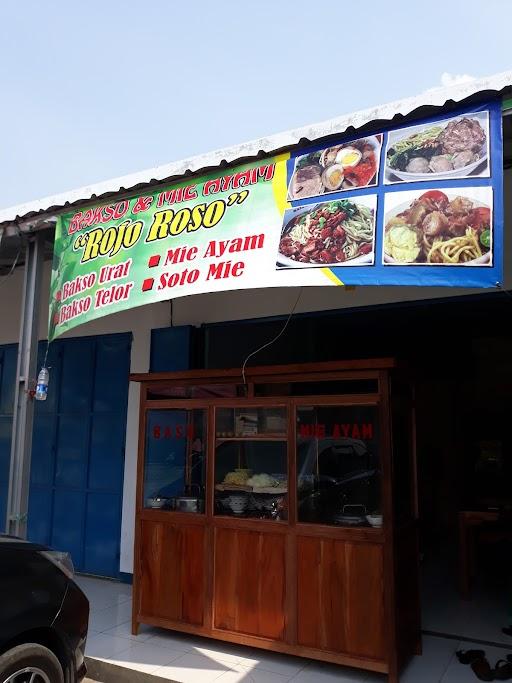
[[46, 354], [15, 263], [253, 353], [502, 289]]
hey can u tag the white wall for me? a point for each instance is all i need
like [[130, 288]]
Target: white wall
[[206, 308], [214, 307]]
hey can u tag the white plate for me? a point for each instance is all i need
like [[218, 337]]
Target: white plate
[[455, 173], [481, 117], [364, 200], [481, 260], [365, 259]]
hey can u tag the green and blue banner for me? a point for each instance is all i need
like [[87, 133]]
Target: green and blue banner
[[417, 205]]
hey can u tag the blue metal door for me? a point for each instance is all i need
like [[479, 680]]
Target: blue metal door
[[78, 451], [8, 358]]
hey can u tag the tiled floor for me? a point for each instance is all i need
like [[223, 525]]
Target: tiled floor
[[444, 611], [189, 659]]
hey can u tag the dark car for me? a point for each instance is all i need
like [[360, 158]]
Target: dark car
[[43, 615]]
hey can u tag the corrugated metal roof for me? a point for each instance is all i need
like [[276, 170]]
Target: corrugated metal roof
[[411, 106]]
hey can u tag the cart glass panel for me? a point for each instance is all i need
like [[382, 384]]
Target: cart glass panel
[[338, 472], [174, 465], [170, 391], [251, 477]]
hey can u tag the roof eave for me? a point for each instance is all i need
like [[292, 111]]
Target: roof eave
[[31, 215]]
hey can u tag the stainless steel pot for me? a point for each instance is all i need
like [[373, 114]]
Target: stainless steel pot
[[351, 515], [158, 503], [188, 504]]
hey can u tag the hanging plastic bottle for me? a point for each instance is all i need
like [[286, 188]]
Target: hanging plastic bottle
[[42, 384]]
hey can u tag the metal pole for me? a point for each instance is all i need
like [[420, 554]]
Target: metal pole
[[21, 442]]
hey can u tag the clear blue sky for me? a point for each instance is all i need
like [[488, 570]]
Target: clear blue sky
[[95, 89]]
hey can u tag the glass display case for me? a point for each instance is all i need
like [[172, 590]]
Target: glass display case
[[294, 534], [174, 466], [338, 473], [251, 453]]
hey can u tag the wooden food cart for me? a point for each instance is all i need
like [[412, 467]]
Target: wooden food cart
[[278, 510]]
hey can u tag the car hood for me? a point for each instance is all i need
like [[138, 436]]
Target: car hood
[[15, 542]]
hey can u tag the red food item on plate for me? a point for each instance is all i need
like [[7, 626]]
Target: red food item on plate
[[480, 217], [361, 174], [435, 195]]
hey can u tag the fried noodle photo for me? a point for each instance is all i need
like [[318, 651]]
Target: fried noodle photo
[[437, 230], [332, 232]]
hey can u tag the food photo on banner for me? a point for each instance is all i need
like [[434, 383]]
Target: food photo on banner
[[343, 166], [394, 207], [329, 233], [457, 147], [435, 227], [428, 195]]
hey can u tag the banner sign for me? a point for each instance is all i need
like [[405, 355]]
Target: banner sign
[[417, 205]]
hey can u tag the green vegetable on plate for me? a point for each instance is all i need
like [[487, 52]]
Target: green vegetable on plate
[[485, 238]]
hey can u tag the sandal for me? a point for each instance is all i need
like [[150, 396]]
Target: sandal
[[482, 669], [503, 670], [469, 656]]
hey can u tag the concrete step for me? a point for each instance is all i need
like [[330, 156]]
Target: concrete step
[[99, 671]]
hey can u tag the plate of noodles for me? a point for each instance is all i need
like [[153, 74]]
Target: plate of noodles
[[440, 228], [339, 232]]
